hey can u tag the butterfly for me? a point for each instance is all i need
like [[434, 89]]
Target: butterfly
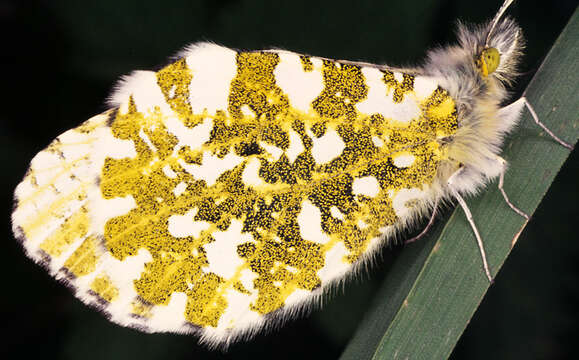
[[230, 189]]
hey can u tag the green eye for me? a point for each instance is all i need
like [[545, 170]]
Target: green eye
[[489, 61]]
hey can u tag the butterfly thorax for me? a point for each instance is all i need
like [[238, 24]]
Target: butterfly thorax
[[475, 73]]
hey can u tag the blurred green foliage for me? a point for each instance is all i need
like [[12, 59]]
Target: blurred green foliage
[[61, 58]]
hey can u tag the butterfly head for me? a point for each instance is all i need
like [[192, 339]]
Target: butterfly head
[[488, 61]]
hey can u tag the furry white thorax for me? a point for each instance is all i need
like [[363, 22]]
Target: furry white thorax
[[484, 120]]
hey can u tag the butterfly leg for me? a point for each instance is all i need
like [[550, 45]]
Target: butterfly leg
[[545, 128], [428, 226], [503, 164], [470, 219]]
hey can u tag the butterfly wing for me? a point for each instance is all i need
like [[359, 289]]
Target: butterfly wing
[[230, 187]]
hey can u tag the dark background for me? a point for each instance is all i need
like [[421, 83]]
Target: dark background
[[60, 59]]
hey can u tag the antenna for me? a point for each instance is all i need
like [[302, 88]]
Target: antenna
[[496, 19]]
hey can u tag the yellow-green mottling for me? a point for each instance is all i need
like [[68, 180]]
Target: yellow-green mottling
[[73, 228], [104, 288], [343, 87], [307, 63], [83, 260], [174, 82], [140, 309], [255, 87], [268, 212], [398, 88]]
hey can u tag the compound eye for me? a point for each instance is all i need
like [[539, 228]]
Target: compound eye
[[488, 61]]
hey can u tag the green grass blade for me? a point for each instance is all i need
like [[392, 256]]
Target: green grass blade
[[436, 285]]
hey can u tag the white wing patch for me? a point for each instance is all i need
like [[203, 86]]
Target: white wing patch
[[214, 68], [403, 160], [367, 186], [105, 209], [296, 146], [403, 197], [273, 151], [192, 137], [181, 226], [327, 147], [237, 313], [164, 317], [335, 212], [169, 172], [250, 174], [222, 253], [335, 265], [404, 112], [424, 86], [212, 166], [310, 222], [180, 189], [377, 141], [142, 87], [247, 278], [376, 102], [300, 86]]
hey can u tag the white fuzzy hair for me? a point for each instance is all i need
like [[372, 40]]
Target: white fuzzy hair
[[483, 122]]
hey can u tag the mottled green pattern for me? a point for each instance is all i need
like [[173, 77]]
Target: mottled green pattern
[[269, 212]]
